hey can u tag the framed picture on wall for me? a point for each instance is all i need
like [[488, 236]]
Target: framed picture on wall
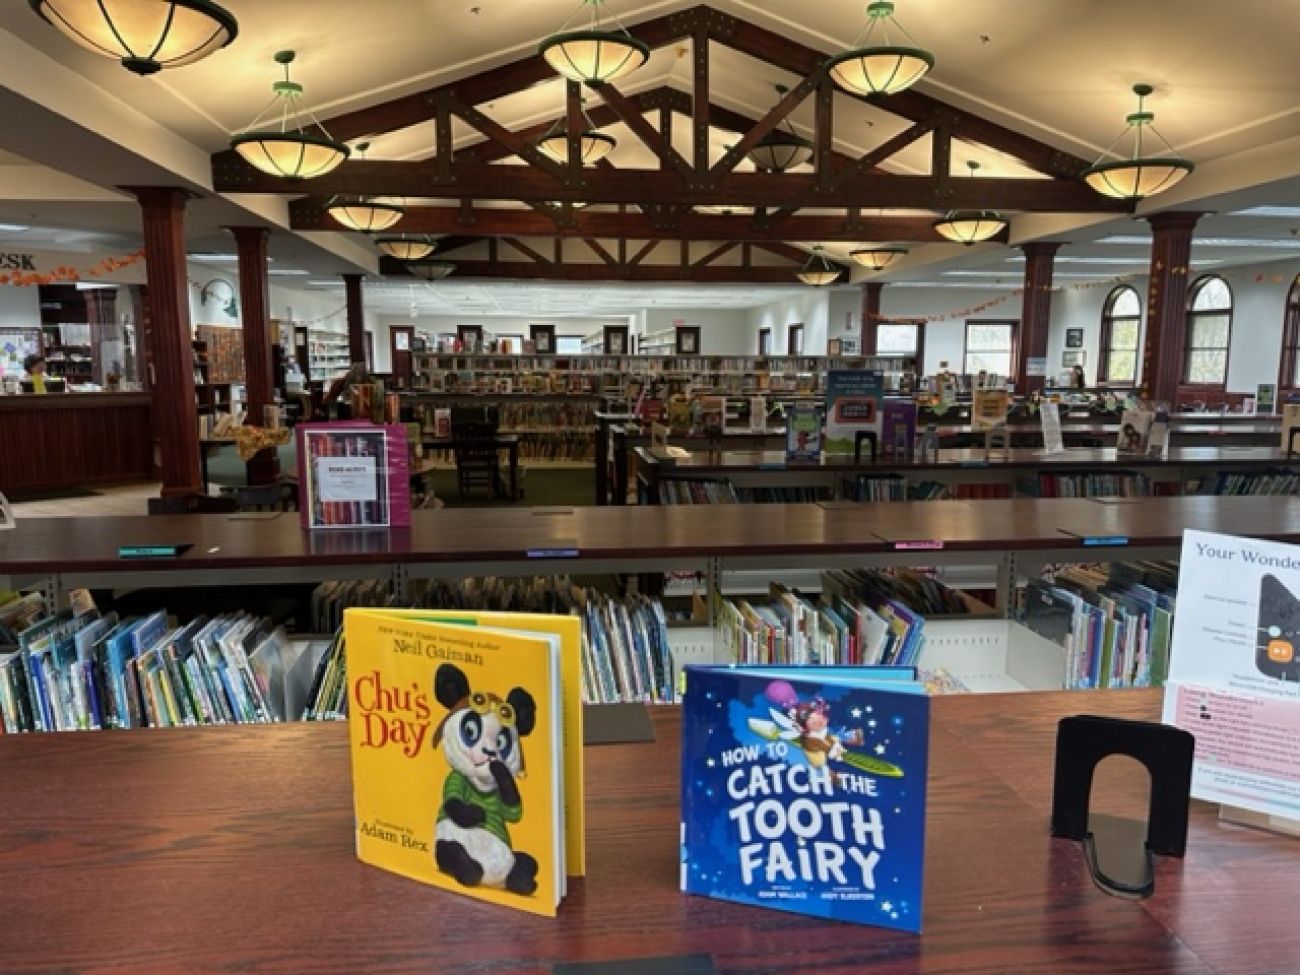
[[1074, 338], [834, 347], [543, 336], [616, 340], [1071, 359], [471, 337], [688, 339]]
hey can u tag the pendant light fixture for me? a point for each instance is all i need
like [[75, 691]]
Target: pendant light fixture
[[596, 53], [290, 149], [1137, 176], [406, 248], [877, 258], [819, 270], [430, 270], [367, 214], [971, 226], [884, 67], [781, 149], [593, 145], [144, 35]]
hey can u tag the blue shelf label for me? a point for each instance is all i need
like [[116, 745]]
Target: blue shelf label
[[552, 553], [1105, 540]]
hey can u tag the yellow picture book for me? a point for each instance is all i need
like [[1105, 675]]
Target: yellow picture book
[[461, 751]]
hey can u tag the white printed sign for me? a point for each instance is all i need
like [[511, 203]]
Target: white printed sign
[[347, 479]]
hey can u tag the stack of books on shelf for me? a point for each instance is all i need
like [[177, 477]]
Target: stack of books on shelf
[[862, 616], [1276, 482], [876, 487], [1111, 484], [625, 648], [87, 672], [786, 494], [698, 491], [1114, 621]]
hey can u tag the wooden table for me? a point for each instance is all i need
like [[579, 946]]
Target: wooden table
[[231, 849]]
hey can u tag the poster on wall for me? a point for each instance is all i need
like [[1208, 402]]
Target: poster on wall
[[1266, 397], [853, 400], [353, 474], [1234, 672]]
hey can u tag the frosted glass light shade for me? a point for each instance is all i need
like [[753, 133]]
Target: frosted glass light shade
[[363, 214], [879, 70], [406, 248], [1133, 179], [144, 35], [593, 56], [431, 270], [971, 226], [293, 155], [778, 151], [877, 258], [593, 146], [819, 277]]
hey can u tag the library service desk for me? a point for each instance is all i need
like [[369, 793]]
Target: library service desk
[[231, 850]]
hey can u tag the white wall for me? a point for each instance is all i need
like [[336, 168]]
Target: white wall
[[945, 340], [19, 307], [1081, 307], [1259, 310], [810, 309], [723, 331]]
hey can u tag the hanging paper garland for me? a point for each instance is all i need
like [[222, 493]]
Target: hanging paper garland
[[68, 273]]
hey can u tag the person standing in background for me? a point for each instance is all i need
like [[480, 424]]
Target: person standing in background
[[34, 366], [1077, 379]]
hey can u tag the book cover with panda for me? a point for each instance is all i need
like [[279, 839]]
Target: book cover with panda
[[803, 790], [458, 747]]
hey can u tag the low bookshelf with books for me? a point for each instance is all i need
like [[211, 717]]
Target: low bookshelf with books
[[704, 476], [608, 569]]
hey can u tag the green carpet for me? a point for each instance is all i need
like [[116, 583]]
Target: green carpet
[[542, 486]]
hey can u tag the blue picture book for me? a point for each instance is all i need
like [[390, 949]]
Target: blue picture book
[[803, 790]]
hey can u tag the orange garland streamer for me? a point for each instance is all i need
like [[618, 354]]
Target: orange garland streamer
[[65, 272]]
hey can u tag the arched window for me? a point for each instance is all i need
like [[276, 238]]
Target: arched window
[[1289, 376], [1209, 329], [1121, 331]]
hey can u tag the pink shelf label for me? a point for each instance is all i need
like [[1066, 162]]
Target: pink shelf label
[[928, 545]]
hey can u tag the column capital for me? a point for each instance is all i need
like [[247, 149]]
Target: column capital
[[161, 196], [248, 233], [1041, 248], [1173, 220]]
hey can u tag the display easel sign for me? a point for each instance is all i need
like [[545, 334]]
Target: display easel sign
[[1266, 398], [353, 475], [853, 400], [803, 435], [1234, 673], [1053, 441]]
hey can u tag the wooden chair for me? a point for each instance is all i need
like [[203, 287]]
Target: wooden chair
[[478, 462]]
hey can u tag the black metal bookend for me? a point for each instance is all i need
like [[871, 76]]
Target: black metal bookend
[[1084, 741]]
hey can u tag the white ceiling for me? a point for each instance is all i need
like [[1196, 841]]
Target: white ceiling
[[1227, 80]]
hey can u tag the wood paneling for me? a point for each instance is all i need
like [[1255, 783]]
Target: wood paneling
[[60, 441], [103, 830]]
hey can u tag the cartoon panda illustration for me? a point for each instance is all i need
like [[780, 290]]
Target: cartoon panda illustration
[[481, 737]]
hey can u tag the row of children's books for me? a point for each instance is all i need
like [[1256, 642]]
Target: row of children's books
[[1113, 484], [625, 650], [1276, 482], [861, 617], [89, 672], [1115, 622]]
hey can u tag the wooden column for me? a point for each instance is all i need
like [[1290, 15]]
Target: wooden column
[[176, 429], [255, 317], [356, 319], [870, 315], [1162, 351], [1036, 313]]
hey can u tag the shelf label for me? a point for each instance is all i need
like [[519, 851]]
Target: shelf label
[[920, 545], [972, 463], [1105, 540], [151, 551], [552, 553]]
